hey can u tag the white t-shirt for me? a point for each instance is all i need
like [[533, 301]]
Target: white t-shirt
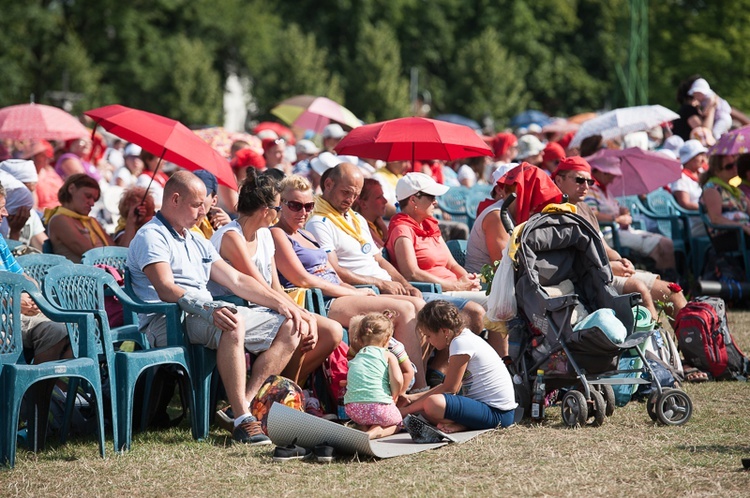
[[156, 190], [694, 191], [262, 258], [486, 378], [347, 248], [124, 174]]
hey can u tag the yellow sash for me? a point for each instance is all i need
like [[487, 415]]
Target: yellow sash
[[204, 228], [323, 208], [88, 222]]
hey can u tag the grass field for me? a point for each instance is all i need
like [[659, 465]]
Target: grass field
[[627, 456]]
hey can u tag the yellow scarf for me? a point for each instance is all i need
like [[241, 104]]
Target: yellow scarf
[[88, 222], [323, 208], [204, 228]]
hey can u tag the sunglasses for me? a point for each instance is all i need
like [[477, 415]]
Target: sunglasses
[[429, 197], [275, 208], [298, 206], [581, 180]]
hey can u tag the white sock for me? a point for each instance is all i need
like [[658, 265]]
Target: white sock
[[241, 418]]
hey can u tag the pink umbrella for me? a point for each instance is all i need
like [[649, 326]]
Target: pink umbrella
[[642, 171], [38, 122], [221, 140], [732, 142], [314, 113]]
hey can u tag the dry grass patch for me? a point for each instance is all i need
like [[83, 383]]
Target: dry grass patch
[[628, 455]]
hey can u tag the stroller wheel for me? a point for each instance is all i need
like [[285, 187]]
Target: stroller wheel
[[651, 403], [597, 410], [575, 411], [609, 398], [674, 407]]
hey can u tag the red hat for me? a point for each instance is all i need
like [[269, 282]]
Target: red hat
[[572, 163], [553, 152], [248, 157], [502, 142], [565, 140], [534, 190]]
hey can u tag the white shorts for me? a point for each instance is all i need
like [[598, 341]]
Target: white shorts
[[646, 277], [639, 241]]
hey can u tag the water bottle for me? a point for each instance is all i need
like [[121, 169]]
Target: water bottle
[[537, 398], [340, 408]]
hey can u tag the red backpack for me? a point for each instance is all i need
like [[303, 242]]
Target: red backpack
[[705, 341]]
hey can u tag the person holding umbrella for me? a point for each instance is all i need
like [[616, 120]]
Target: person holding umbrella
[[608, 210]]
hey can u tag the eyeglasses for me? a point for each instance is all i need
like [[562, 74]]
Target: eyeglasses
[[429, 197], [297, 206], [275, 208], [581, 180]]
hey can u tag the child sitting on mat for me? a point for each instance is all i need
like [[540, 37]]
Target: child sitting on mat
[[374, 380], [477, 392]]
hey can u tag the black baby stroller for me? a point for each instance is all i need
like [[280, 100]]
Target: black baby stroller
[[559, 246]]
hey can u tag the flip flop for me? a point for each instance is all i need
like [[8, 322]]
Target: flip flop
[[696, 377]]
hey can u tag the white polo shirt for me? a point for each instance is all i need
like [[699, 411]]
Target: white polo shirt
[[348, 250]]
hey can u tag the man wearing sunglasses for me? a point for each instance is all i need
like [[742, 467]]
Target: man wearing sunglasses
[[573, 178]]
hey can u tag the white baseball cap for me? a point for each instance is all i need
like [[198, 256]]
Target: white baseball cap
[[501, 170], [306, 147], [411, 183], [327, 160], [690, 149], [333, 131], [132, 150]]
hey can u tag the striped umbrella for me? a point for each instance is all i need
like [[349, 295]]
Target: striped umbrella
[[314, 113]]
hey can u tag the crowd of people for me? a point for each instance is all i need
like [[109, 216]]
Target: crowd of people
[[363, 232]]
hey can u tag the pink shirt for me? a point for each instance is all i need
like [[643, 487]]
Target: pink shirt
[[432, 252], [47, 185]]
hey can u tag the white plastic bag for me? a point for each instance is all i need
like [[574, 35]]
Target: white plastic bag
[[501, 304]]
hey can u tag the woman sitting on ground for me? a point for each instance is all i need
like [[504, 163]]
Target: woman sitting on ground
[[71, 230], [302, 263], [247, 245]]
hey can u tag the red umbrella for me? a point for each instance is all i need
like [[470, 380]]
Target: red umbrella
[[37, 122], [166, 138], [410, 139]]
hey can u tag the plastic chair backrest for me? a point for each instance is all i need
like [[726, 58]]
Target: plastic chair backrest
[[114, 256], [12, 244], [36, 265], [472, 203], [453, 202], [458, 250], [11, 345]]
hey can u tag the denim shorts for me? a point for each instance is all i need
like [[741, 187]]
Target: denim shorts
[[474, 414], [458, 302]]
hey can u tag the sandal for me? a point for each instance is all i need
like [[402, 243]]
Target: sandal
[[696, 377]]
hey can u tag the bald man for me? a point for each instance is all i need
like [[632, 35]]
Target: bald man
[[169, 263]]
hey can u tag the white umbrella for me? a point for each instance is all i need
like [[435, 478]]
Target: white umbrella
[[620, 122]]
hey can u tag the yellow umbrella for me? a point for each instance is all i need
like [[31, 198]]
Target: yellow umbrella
[[314, 113]]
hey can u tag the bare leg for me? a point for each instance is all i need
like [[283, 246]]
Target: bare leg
[[663, 255], [473, 314], [660, 291], [230, 360], [499, 343], [634, 285], [344, 308], [376, 431], [273, 360], [329, 337]]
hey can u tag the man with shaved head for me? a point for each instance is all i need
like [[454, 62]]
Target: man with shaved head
[[345, 236], [168, 263]]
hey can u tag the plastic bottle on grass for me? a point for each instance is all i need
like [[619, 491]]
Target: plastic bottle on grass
[[537, 397]]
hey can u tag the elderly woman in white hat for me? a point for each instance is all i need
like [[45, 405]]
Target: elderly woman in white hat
[[19, 177], [687, 190]]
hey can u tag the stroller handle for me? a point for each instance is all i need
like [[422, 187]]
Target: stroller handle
[[508, 223]]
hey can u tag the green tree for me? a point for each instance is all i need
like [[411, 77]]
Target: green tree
[[295, 66], [487, 81], [376, 87]]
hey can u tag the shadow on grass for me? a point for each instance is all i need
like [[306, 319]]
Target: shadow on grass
[[716, 448]]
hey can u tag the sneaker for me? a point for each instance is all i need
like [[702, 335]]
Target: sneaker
[[225, 419], [291, 452], [323, 453], [250, 432]]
